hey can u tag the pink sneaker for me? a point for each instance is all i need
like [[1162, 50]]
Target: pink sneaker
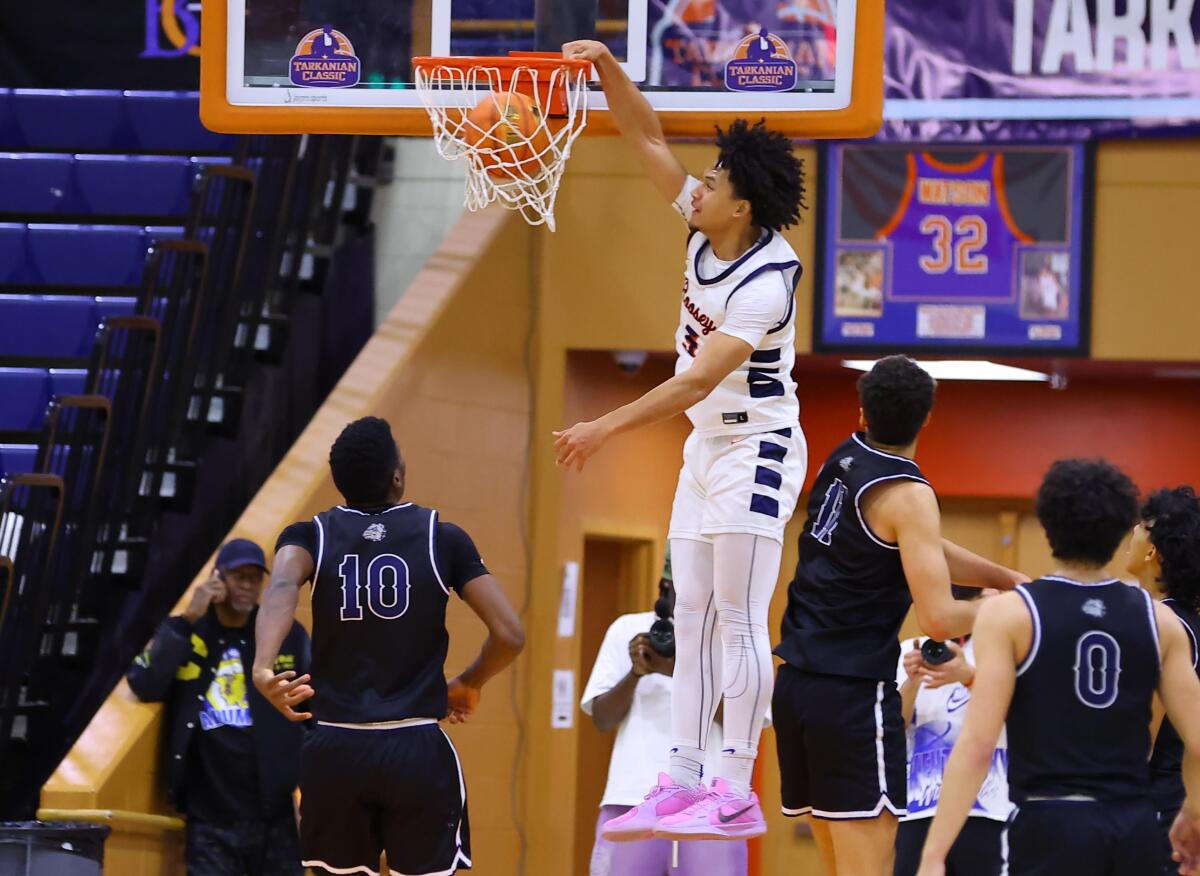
[[665, 798], [719, 815]]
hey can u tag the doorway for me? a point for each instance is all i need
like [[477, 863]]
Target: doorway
[[618, 577]]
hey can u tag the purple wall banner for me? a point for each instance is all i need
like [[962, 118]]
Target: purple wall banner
[[953, 250], [1040, 69]]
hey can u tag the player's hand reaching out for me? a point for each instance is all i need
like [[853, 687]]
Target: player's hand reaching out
[[462, 699], [577, 445], [284, 691], [585, 50]]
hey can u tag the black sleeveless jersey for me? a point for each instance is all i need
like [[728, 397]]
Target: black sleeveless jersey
[[849, 595], [1079, 722], [378, 617], [1166, 762]]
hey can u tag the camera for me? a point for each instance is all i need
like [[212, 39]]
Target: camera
[[936, 653], [662, 631]]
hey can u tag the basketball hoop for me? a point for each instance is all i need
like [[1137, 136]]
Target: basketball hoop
[[513, 118]]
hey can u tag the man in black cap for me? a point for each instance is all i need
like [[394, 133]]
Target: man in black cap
[[231, 759]]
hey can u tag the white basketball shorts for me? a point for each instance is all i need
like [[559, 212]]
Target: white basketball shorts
[[739, 483]]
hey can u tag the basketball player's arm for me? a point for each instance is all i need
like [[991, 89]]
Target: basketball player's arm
[[971, 570], [292, 567], [910, 510], [996, 635], [1180, 692], [716, 360], [505, 639], [634, 117]]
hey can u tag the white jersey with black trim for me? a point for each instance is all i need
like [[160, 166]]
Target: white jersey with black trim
[[751, 298]]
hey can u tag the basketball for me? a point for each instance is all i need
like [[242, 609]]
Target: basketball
[[506, 130]]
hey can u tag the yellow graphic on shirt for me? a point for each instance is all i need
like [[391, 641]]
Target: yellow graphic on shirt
[[225, 704]]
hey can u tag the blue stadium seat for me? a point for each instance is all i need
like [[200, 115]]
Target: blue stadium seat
[[52, 119], [109, 185], [35, 182], [12, 250], [55, 326], [134, 184], [27, 392], [17, 458], [99, 121], [84, 255], [8, 122], [170, 121]]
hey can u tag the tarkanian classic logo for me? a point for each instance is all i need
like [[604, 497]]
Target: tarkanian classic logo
[[761, 62], [325, 59]]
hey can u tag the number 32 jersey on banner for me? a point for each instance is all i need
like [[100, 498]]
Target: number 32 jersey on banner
[[952, 235]]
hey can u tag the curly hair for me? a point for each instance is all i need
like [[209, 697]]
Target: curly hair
[[1172, 519], [363, 459], [1086, 507], [896, 396], [764, 171]]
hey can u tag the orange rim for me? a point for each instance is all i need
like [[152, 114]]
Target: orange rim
[[552, 101], [511, 61]]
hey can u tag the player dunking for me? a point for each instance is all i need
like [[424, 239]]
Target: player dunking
[[377, 773], [744, 462], [1073, 660], [871, 547]]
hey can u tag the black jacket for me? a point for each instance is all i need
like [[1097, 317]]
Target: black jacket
[[177, 669]]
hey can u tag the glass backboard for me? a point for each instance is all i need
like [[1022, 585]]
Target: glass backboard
[[811, 67]]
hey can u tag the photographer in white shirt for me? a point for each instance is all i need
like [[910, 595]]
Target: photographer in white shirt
[[630, 690]]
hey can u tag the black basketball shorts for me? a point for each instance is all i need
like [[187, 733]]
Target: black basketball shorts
[[1084, 838], [841, 745], [368, 791]]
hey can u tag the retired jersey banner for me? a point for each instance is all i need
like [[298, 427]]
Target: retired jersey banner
[[999, 70], [966, 250]]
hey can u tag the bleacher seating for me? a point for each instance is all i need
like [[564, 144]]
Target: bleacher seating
[[106, 121], [27, 392], [47, 254], [130, 324], [16, 459], [55, 184], [55, 326]]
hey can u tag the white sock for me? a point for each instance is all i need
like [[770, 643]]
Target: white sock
[[737, 767], [745, 571], [696, 684], [686, 765]]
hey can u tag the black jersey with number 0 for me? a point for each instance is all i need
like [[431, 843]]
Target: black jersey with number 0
[[1166, 763], [849, 595], [1079, 722], [379, 617]]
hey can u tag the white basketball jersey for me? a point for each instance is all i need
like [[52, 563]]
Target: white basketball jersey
[[758, 395]]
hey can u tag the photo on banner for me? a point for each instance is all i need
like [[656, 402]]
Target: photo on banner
[[967, 250]]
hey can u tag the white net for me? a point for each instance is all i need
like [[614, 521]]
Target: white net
[[515, 153]]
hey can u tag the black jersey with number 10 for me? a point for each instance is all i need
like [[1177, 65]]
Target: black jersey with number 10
[[379, 617]]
